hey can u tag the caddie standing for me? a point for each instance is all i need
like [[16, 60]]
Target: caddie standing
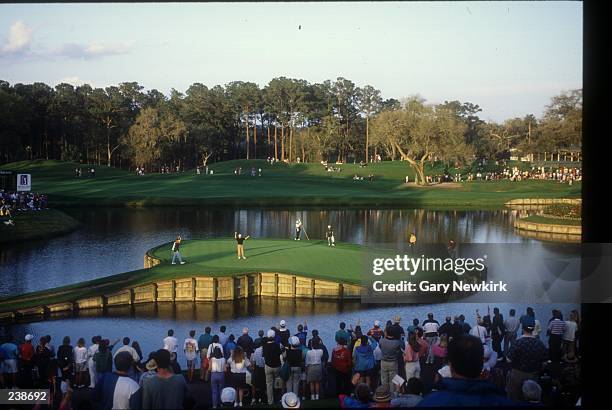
[[329, 234], [298, 229]]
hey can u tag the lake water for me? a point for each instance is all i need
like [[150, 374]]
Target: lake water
[[115, 240]]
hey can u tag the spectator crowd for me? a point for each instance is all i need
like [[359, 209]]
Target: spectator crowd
[[11, 202], [496, 361]]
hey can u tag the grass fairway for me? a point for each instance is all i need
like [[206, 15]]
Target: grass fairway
[[280, 185], [216, 257], [554, 221], [37, 225]]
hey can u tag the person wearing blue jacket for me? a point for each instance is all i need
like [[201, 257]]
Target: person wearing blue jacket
[[363, 361], [465, 388]]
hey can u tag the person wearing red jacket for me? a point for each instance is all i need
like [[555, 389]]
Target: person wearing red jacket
[[342, 364]]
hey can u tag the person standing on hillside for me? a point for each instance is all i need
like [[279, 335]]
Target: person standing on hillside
[[240, 244], [329, 234], [175, 251]]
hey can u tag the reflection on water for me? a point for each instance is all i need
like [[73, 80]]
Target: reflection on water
[[214, 312], [115, 240]]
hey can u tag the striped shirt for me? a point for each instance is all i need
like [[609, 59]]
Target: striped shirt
[[556, 327]]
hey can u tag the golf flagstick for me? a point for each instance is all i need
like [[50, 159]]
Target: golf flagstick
[[305, 233]]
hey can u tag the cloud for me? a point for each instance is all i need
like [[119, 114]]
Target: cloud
[[19, 39], [75, 81], [92, 50]]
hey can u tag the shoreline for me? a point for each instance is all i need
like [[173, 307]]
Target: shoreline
[[37, 225]]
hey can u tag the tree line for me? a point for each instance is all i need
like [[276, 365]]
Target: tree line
[[288, 119]]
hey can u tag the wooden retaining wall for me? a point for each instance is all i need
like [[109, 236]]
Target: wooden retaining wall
[[203, 289], [548, 228], [551, 237]]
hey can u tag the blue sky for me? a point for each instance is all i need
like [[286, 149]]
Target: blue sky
[[508, 57]]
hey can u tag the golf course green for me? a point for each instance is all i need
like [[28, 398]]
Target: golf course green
[[217, 257], [280, 184]]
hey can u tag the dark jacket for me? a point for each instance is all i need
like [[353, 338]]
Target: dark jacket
[[271, 354], [246, 342], [65, 356], [466, 393]]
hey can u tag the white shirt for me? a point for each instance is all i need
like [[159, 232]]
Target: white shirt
[[239, 367], [257, 357], [190, 346], [445, 371], [430, 327], [217, 365], [80, 354], [124, 389], [537, 328], [170, 344], [91, 351], [314, 356], [130, 350], [570, 330], [479, 331], [491, 361]]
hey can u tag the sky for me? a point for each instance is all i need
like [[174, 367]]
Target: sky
[[510, 58]]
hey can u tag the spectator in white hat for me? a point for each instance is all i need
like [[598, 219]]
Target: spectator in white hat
[[272, 357], [295, 358], [532, 392], [283, 333], [26, 359], [290, 401], [228, 397]]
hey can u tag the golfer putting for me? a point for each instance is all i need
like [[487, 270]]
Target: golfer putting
[[240, 244]]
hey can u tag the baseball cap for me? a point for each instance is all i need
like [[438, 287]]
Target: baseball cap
[[290, 401], [397, 319], [294, 341], [271, 334], [28, 337], [282, 323], [377, 323], [228, 395]]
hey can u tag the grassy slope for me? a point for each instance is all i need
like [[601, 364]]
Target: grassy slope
[[280, 185], [217, 258], [37, 225], [548, 220]]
